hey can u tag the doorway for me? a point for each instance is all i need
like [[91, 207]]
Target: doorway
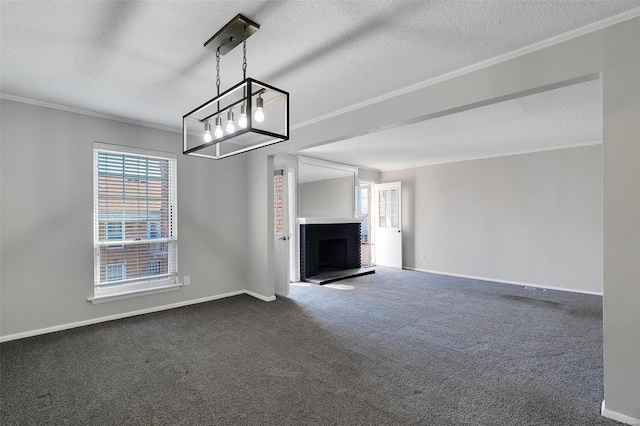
[[365, 210], [283, 225]]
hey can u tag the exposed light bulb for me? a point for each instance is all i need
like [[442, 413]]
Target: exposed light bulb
[[230, 126], [242, 121], [207, 132], [259, 115], [218, 133]]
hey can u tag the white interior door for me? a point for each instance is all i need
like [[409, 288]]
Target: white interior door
[[281, 230], [388, 224]]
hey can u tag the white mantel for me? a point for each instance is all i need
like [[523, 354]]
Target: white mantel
[[327, 220]]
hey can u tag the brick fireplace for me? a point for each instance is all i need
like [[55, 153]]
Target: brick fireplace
[[328, 247]]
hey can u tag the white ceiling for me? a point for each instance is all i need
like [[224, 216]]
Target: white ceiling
[[562, 117], [145, 61]]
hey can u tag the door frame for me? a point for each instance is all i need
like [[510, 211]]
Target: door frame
[[282, 289], [291, 204]]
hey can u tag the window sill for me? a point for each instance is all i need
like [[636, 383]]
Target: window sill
[[112, 297]]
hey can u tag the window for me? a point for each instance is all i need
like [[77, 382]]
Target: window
[[115, 231], [388, 208], [278, 211], [135, 227], [155, 267], [115, 272], [153, 230]]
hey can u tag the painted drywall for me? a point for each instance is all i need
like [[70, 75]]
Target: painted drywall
[[531, 218], [326, 198], [614, 52], [259, 236], [47, 225], [368, 175]]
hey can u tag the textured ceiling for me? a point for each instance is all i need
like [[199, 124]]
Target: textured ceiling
[[563, 117], [145, 61]]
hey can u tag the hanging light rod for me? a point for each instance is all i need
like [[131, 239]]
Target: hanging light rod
[[232, 34]]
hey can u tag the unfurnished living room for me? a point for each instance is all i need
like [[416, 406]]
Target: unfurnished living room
[[320, 212]]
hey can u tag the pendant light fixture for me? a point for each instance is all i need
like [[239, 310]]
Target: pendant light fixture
[[264, 109]]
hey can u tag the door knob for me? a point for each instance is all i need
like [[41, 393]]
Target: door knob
[[283, 238]]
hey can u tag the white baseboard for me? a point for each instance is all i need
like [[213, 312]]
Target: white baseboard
[[261, 297], [623, 418], [495, 280], [91, 321]]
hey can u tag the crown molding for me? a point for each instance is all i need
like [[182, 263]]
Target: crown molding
[[88, 112]]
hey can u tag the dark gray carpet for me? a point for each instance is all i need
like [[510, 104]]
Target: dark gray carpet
[[400, 348]]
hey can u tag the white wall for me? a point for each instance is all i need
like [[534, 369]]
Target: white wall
[[47, 226], [368, 175], [614, 52], [259, 243], [532, 218], [326, 198]]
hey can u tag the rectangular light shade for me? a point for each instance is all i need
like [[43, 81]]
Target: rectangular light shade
[[273, 129]]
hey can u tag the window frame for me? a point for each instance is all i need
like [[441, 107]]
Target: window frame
[[106, 290]]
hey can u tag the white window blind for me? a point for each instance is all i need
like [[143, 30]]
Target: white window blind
[[135, 228]]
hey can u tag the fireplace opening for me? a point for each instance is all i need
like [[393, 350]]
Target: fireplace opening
[[330, 252], [332, 255]]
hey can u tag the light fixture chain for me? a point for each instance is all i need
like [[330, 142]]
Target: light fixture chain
[[218, 70], [244, 53]]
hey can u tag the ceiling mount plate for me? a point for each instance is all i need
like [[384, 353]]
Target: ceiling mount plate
[[231, 34]]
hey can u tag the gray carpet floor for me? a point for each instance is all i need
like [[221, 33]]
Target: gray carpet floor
[[400, 348]]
